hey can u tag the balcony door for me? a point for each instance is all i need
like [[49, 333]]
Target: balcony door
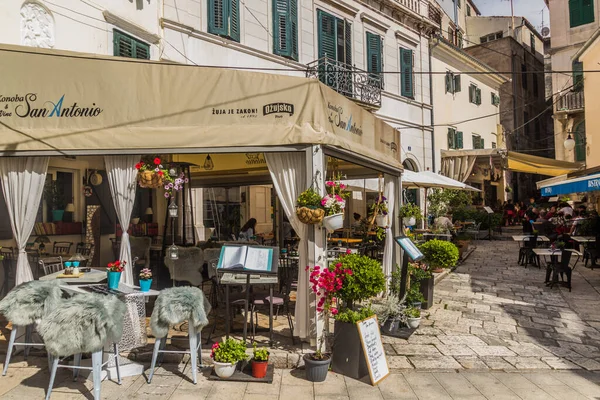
[[335, 52]]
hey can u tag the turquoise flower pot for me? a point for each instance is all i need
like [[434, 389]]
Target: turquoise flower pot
[[57, 215], [145, 285], [113, 279]]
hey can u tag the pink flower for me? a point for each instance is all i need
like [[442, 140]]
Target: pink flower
[[342, 186], [330, 183], [348, 251]]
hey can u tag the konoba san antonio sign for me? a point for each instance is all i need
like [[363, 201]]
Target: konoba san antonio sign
[[31, 105]]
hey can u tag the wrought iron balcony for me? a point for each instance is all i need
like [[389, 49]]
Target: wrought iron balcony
[[570, 102], [354, 83], [435, 15]]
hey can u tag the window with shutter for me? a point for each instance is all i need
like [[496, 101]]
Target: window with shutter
[[459, 140], [478, 96], [577, 76], [451, 138], [348, 42], [127, 46], [406, 73], [448, 82], [493, 145], [224, 18], [472, 93], [459, 40], [285, 28], [468, 10], [327, 35], [475, 141], [581, 12], [457, 88], [374, 56]]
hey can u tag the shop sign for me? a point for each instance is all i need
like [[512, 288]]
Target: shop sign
[[337, 117], [29, 106]]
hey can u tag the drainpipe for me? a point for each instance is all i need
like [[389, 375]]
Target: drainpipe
[[431, 47], [515, 175]]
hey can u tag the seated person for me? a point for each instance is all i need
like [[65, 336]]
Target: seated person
[[444, 222], [247, 232]]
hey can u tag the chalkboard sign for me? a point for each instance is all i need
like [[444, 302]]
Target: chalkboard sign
[[370, 338]]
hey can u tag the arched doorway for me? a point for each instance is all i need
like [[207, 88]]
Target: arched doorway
[[410, 195]]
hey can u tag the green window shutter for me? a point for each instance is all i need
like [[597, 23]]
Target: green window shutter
[[471, 94], [475, 141], [217, 17], [127, 46], [459, 40], [348, 42], [581, 12], [468, 10], [448, 82], [459, 140], [234, 20], [587, 11], [406, 68], [482, 143], [451, 138], [373, 53], [327, 36], [477, 96], [457, 87], [285, 28], [577, 76]]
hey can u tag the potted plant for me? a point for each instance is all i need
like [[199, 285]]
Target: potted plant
[[334, 203], [226, 355], [439, 254], [114, 271], [324, 283], [410, 214], [153, 175], [145, 279], [413, 317], [308, 207], [260, 362], [366, 280], [55, 199], [380, 210], [390, 313]]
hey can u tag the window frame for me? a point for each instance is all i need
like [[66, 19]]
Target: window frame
[[226, 30], [291, 15], [135, 44], [403, 92], [581, 12]]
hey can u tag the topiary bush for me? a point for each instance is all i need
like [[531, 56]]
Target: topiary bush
[[366, 280], [439, 253]]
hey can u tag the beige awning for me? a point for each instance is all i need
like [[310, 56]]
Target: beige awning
[[458, 164], [55, 102]]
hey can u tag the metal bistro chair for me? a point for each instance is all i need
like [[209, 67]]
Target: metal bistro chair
[[85, 249], [8, 263], [51, 265], [591, 253], [62, 248], [526, 254], [281, 299], [561, 267], [473, 232]]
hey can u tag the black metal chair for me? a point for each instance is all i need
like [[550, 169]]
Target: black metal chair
[[85, 249], [62, 248], [9, 263], [560, 268], [591, 253], [281, 299], [51, 265], [526, 253]]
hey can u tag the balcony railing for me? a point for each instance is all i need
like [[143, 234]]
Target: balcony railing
[[435, 15], [347, 80], [413, 5], [570, 101]]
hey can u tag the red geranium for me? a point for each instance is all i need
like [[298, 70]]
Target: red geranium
[[138, 165], [157, 161], [116, 266], [160, 173]]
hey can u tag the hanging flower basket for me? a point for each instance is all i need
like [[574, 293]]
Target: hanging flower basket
[[333, 222], [381, 221], [150, 179], [310, 216]]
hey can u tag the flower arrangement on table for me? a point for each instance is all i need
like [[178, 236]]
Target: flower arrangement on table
[[145, 274], [152, 174], [334, 201], [116, 266]]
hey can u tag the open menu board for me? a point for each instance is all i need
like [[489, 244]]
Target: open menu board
[[248, 259], [370, 338], [409, 247]]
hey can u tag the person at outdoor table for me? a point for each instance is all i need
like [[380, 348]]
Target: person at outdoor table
[[582, 210], [566, 209], [551, 213], [247, 231], [532, 202], [444, 222], [577, 218], [509, 212]]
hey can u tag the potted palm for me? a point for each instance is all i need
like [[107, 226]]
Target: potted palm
[[308, 207], [226, 356], [410, 214], [55, 199], [260, 362]]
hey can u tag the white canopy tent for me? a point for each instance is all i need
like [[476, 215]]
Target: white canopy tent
[[410, 179]]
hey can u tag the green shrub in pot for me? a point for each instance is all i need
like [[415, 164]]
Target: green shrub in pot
[[367, 279], [439, 253]]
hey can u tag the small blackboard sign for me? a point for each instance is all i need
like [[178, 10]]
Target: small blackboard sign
[[370, 338]]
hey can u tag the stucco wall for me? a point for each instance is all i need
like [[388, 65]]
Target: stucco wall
[[592, 105]]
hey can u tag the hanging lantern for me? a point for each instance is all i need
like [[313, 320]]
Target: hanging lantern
[[208, 163], [173, 252], [569, 143], [173, 210]]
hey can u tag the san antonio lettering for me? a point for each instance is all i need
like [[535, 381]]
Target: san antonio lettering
[[51, 109], [335, 117]]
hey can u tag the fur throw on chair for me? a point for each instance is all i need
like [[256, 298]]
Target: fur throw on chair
[[178, 304], [30, 301], [83, 324]]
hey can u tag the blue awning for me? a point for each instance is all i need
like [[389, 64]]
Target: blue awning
[[583, 184]]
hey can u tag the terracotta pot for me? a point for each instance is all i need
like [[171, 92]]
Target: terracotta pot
[[259, 369]]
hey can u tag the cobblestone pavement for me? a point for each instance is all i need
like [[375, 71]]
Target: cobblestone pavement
[[172, 383], [492, 314]]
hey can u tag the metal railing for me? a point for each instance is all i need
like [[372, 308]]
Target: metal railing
[[570, 101], [347, 80], [434, 14], [413, 5]]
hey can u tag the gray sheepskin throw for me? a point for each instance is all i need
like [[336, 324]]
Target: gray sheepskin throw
[[30, 301], [83, 324], [178, 304]]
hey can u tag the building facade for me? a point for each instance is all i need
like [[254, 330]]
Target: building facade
[[525, 115], [572, 23]]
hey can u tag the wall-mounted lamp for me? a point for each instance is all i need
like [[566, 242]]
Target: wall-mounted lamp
[[569, 143], [208, 163]]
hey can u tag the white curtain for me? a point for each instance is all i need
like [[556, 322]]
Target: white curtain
[[23, 182], [458, 167], [389, 191], [121, 174], [288, 172]]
